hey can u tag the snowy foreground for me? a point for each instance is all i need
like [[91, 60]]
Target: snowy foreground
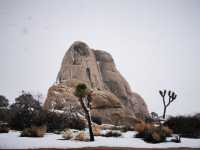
[[12, 140]]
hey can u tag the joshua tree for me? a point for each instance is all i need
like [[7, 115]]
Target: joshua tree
[[172, 96], [85, 96]]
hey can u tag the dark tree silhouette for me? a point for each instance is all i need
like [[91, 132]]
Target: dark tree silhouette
[[24, 112], [85, 98], [3, 101], [172, 96]]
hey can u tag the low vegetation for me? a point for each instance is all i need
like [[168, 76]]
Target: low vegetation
[[96, 120], [60, 121], [67, 134], [4, 127], [28, 116], [112, 133], [151, 133], [185, 126], [82, 136], [34, 131]]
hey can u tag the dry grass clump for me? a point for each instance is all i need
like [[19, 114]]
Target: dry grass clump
[[151, 133], [82, 136], [68, 134], [168, 132], [34, 131], [140, 127], [96, 131]]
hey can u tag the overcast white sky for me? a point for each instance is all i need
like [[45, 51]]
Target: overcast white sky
[[155, 44]]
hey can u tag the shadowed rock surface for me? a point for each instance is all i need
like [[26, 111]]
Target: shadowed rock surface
[[114, 101]]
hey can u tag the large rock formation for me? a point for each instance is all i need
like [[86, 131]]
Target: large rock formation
[[114, 101]]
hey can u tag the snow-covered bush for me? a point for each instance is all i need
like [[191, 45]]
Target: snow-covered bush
[[23, 111], [60, 121], [82, 136], [67, 134], [151, 133], [34, 131]]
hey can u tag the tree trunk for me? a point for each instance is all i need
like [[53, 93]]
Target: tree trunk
[[90, 126], [164, 112], [88, 117]]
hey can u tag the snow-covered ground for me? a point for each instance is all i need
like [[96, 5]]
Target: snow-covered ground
[[12, 140]]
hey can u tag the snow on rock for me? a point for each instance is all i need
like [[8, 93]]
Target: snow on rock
[[12, 140]]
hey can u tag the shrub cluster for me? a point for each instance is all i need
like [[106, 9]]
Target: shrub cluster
[[151, 133], [34, 131], [82, 136], [96, 120], [60, 121], [3, 101], [186, 126], [4, 114], [4, 111], [67, 134], [25, 112], [4, 127]]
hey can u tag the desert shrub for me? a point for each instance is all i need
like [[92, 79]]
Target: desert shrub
[[96, 120], [4, 114], [4, 111], [23, 118], [54, 121], [82, 136], [96, 131], [167, 131], [151, 133], [34, 131], [140, 128], [3, 101], [60, 121], [4, 127], [112, 133], [186, 126], [148, 119], [68, 134], [23, 113], [73, 121]]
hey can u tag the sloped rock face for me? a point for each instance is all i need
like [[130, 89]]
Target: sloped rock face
[[114, 101]]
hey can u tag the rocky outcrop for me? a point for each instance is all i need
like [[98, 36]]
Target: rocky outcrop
[[114, 101]]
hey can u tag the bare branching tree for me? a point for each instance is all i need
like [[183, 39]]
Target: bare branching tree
[[171, 97], [85, 98]]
